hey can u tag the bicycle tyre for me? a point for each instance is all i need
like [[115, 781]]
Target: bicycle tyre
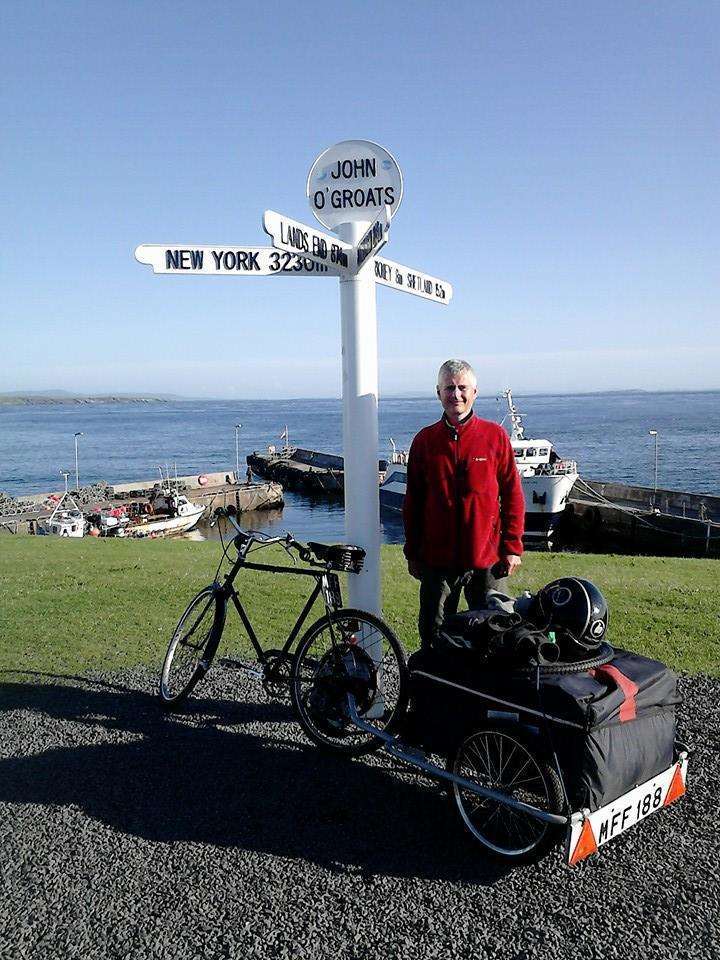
[[188, 656], [332, 730], [604, 655], [487, 755]]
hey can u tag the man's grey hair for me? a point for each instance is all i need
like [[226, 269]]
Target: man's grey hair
[[453, 368]]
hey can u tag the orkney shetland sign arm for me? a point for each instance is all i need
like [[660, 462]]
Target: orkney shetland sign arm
[[409, 280]]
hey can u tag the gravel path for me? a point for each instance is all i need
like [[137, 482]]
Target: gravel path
[[128, 834]]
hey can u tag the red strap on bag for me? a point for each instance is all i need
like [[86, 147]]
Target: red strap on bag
[[628, 709]]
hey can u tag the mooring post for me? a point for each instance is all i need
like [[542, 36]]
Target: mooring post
[[358, 318]]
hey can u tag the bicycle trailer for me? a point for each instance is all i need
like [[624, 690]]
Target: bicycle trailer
[[608, 731]]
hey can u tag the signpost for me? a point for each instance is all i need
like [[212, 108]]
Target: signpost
[[354, 189]]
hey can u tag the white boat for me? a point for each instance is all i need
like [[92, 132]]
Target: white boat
[[170, 512], [166, 512], [546, 479], [66, 520]]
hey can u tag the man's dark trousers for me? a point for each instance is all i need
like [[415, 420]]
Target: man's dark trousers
[[440, 594]]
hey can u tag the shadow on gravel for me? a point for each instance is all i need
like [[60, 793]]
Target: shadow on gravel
[[199, 777]]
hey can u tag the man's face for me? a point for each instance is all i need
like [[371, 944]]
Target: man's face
[[457, 394]]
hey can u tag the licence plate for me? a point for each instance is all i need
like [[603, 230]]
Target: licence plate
[[587, 832]]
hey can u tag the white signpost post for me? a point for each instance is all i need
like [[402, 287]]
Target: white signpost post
[[354, 189]]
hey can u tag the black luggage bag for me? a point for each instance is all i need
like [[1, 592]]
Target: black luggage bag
[[612, 728]]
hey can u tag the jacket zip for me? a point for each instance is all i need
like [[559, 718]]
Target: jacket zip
[[458, 499]]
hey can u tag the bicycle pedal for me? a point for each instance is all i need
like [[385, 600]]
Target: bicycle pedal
[[232, 664], [376, 710]]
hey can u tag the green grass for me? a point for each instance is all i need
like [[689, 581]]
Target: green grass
[[68, 606]]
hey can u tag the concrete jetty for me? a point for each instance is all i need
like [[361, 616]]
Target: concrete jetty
[[643, 518], [212, 489], [308, 471]]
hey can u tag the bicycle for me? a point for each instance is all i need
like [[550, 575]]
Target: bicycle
[[343, 650]]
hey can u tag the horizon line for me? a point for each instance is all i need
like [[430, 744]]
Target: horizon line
[[157, 395]]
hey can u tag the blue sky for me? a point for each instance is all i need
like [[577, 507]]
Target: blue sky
[[560, 164]]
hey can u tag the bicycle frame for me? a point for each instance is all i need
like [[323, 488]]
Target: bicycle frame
[[327, 584]]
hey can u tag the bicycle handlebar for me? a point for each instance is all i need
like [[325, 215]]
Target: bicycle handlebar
[[344, 558], [287, 540]]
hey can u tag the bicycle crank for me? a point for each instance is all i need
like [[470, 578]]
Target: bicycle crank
[[276, 674]]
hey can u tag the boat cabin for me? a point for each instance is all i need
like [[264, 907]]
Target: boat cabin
[[165, 502], [530, 454]]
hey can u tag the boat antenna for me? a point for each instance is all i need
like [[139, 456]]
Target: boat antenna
[[517, 431], [394, 449]]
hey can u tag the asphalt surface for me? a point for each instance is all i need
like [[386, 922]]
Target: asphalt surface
[[220, 833]]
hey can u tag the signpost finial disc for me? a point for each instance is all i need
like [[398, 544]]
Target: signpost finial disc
[[353, 182]]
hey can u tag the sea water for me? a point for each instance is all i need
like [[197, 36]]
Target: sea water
[[606, 433]]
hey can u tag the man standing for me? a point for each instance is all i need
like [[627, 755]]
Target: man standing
[[464, 511]]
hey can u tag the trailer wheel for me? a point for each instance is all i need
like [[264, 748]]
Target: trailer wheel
[[507, 760]]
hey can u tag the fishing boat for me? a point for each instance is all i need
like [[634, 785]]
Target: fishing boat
[[546, 479], [167, 511], [66, 520]]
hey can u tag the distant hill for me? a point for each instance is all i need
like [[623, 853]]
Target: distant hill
[[54, 397]]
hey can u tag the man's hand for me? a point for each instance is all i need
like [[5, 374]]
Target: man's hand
[[415, 569], [512, 562]]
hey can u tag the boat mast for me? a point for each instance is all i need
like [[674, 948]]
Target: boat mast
[[518, 431]]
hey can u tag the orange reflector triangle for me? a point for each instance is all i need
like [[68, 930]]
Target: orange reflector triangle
[[677, 787], [585, 845]]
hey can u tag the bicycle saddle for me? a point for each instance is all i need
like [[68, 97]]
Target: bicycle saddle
[[341, 556]]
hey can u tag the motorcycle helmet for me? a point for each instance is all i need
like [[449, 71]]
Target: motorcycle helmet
[[576, 608]]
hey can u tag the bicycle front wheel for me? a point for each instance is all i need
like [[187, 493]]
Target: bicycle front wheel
[[192, 646], [348, 651]]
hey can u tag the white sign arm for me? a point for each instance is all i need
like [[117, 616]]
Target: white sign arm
[[395, 275], [374, 239], [304, 241], [228, 260]]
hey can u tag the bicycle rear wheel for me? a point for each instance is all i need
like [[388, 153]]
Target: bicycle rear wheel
[[349, 651], [192, 646]]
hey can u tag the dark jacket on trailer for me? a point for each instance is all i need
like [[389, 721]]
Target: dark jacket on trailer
[[464, 506]]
